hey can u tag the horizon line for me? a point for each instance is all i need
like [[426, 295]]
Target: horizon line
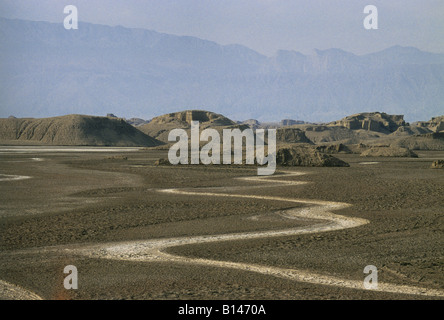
[[235, 120], [312, 50]]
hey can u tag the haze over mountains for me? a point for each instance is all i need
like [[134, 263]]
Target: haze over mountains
[[46, 70]]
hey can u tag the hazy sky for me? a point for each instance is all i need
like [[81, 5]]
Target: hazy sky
[[263, 25]]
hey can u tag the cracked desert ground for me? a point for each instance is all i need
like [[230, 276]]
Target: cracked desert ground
[[139, 231]]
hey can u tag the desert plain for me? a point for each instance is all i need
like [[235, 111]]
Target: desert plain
[[137, 230]]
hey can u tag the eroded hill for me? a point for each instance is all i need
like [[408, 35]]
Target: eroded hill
[[159, 127], [73, 130]]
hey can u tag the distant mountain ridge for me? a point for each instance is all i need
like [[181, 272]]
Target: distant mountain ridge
[[47, 70]]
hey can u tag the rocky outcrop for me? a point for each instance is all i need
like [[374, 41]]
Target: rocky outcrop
[[160, 127], [290, 122], [204, 117], [438, 164], [251, 122], [316, 128], [162, 162], [334, 148], [436, 124], [388, 151], [292, 135], [136, 122], [307, 157], [434, 136], [372, 121]]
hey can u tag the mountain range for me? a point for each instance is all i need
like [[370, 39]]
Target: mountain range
[[46, 70]]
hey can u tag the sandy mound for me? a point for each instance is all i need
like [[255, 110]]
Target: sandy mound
[[388, 151], [74, 130], [430, 141], [410, 131], [307, 157]]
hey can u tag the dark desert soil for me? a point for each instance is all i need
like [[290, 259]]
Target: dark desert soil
[[75, 198]]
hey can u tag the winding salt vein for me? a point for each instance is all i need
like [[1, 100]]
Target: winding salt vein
[[10, 177], [153, 250], [12, 291]]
